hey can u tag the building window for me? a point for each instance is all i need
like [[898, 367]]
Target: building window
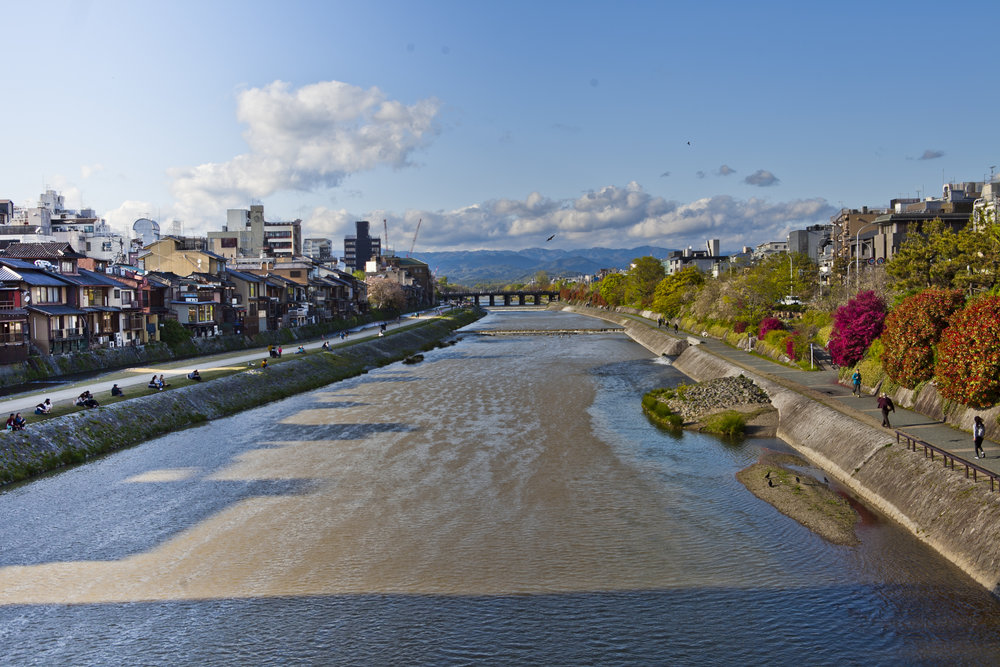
[[46, 295], [295, 274]]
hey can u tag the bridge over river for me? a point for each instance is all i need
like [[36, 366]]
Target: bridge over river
[[524, 297]]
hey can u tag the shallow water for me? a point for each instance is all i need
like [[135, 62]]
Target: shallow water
[[503, 502]]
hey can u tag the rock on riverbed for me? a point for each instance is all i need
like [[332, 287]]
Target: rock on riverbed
[[694, 403]]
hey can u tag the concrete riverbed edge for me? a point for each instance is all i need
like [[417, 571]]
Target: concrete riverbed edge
[[957, 517], [73, 438]]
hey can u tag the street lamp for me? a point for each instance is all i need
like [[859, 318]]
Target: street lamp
[[857, 252]]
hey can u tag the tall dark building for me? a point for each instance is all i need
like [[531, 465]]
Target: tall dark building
[[361, 247]]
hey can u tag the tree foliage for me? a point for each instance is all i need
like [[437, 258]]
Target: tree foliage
[[968, 356], [855, 325], [675, 290], [174, 333], [385, 294], [912, 331], [643, 277], [612, 289]]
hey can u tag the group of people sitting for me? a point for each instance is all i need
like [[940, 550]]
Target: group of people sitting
[[86, 400], [194, 375], [44, 408], [157, 383], [16, 422]]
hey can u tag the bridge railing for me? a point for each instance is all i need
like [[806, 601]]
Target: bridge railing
[[949, 459]]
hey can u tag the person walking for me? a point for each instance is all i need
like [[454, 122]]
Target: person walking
[[886, 405], [856, 382], [978, 433]]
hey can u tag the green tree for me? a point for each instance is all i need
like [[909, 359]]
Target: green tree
[[173, 333], [932, 255], [359, 274], [542, 279], [675, 290], [612, 289], [643, 277]]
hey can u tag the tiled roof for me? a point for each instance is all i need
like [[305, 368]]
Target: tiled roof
[[50, 250], [56, 309]]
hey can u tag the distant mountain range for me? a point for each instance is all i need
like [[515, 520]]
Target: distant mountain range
[[474, 267]]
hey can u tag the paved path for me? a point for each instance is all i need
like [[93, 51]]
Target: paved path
[[133, 380], [917, 425]]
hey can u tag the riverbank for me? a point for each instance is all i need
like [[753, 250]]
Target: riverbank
[[956, 515], [43, 367], [76, 437]]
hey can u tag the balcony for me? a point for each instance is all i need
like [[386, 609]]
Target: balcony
[[11, 338], [67, 334]]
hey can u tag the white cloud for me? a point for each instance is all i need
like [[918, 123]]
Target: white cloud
[[305, 139], [612, 216], [725, 170], [122, 218], [88, 170]]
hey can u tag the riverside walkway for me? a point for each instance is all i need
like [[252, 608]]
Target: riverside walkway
[[956, 442], [133, 380]]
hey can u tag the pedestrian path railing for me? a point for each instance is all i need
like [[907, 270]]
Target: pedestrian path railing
[[931, 451]]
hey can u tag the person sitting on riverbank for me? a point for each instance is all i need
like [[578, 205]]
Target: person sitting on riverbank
[[326, 345], [194, 375], [10, 422], [44, 408], [116, 390], [153, 384], [301, 350], [263, 363], [163, 383], [86, 400], [19, 422]]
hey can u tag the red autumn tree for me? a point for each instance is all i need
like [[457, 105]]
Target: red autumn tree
[[912, 331], [968, 356], [855, 325]]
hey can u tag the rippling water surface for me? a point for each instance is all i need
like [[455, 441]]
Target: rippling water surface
[[503, 502]]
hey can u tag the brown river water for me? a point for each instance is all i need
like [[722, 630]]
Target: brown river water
[[503, 502]]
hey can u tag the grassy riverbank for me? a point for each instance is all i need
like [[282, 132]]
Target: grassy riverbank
[[77, 435]]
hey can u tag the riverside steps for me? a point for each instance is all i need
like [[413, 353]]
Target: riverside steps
[[934, 488]]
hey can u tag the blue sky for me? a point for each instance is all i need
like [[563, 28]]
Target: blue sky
[[497, 124]]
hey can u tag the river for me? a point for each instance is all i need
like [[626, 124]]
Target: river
[[503, 502]]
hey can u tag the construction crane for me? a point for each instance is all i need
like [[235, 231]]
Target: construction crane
[[415, 237]]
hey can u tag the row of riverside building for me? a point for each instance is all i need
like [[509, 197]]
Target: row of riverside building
[[866, 237], [68, 283]]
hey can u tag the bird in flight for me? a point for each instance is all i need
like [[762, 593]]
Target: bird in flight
[[550, 238], [689, 143]]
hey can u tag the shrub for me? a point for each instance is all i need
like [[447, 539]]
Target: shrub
[[658, 411], [912, 331], [968, 356], [727, 422], [739, 327], [790, 348], [173, 333], [769, 324], [855, 325]]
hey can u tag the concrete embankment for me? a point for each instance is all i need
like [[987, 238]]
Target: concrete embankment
[[73, 438], [958, 517]]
